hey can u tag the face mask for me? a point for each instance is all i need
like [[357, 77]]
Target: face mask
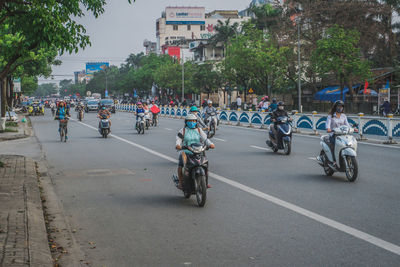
[[339, 109], [280, 107], [191, 124]]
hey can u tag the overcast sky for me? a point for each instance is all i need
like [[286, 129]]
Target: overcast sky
[[122, 29]]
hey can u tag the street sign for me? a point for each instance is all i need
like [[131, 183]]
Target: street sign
[[251, 91], [88, 93], [17, 85]]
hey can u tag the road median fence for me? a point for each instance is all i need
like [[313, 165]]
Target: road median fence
[[314, 123]]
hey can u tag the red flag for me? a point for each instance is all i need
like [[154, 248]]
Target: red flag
[[365, 87], [155, 109]]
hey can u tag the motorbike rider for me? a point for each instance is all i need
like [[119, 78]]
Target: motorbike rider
[[62, 114], [53, 107], [279, 112], [273, 105], [139, 109], [195, 111], [336, 118], [104, 111], [188, 135], [209, 110]]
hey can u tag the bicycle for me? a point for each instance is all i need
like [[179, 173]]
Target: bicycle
[[63, 130]]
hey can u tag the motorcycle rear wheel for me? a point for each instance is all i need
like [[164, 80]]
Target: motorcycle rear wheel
[[287, 148], [352, 170], [201, 190]]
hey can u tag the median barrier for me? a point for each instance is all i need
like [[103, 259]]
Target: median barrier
[[371, 125]]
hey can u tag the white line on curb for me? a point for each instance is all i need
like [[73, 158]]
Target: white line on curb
[[299, 210], [261, 148]]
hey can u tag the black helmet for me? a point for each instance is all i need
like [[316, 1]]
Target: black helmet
[[274, 99], [281, 103], [339, 103]]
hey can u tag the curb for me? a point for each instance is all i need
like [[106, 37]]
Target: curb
[[39, 251]]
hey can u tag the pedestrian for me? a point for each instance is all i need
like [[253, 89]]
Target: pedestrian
[[238, 102], [255, 102], [386, 107]]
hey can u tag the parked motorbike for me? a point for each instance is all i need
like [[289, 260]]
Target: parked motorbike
[[140, 124], [212, 124], [104, 128], [341, 156], [195, 174], [283, 140]]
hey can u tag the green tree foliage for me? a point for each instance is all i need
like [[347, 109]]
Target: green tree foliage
[[46, 89], [339, 53], [29, 85]]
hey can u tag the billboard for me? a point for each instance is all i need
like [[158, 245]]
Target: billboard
[[93, 67], [185, 15]]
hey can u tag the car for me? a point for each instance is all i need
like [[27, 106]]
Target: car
[[109, 104], [92, 105], [11, 116]]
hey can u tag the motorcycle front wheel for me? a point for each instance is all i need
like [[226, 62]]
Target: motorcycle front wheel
[[352, 168], [287, 147], [201, 190], [328, 171]]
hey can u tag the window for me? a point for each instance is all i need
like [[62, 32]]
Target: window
[[175, 27], [189, 27], [202, 27]]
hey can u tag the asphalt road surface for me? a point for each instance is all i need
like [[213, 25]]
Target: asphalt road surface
[[263, 209]]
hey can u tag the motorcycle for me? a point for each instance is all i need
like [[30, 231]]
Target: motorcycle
[[195, 174], [140, 124], [341, 156], [147, 119], [283, 140], [104, 128], [30, 111], [80, 114], [212, 124], [53, 111]]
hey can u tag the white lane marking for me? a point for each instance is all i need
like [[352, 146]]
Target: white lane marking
[[261, 148], [168, 129], [297, 209], [312, 158], [219, 139]]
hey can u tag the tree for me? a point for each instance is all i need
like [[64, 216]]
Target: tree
[[46, 89], [206, 78], [339, 53], [224, 31], [29, 85]]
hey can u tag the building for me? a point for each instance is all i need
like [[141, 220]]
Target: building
[[79, 76], [151, 47], [189, 27]]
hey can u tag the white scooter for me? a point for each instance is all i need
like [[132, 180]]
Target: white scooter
[[212, 124], [345, 152]]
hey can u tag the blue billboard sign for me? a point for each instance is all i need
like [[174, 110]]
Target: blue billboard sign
[[93, 67]]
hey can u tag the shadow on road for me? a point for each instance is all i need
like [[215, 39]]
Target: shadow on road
[[158, 201]]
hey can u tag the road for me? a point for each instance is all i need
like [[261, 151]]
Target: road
[[263, 209]]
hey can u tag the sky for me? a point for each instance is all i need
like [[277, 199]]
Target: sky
[[122, 28]]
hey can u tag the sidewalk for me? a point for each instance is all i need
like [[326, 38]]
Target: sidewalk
[[23, 236], [23, 130]]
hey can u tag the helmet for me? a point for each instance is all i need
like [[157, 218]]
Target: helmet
[[274, 99], [281, 103], [194, 109], [209, 102], [191, 117], [139, 103], [339, 103]]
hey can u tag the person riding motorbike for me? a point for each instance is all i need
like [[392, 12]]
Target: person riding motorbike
[[279, 112], [104, 111], [195, 111], [139, 110], [190, 134], [62, 114], [336, 118], [209, 110], [273, 105], [53, 108]]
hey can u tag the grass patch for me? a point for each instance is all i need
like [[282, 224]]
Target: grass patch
[[10, 130], [11, 124]]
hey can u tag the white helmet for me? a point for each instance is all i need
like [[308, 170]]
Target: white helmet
[[209, 102], [191, 117]]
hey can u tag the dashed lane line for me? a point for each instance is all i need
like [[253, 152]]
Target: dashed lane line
[[261, 148], [297, 209], [219, 139]]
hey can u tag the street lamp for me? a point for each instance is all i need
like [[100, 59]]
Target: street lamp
[[299, 64], [183, 77]]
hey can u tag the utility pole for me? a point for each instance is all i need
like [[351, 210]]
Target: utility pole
[[183, 77], [299, 63]]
